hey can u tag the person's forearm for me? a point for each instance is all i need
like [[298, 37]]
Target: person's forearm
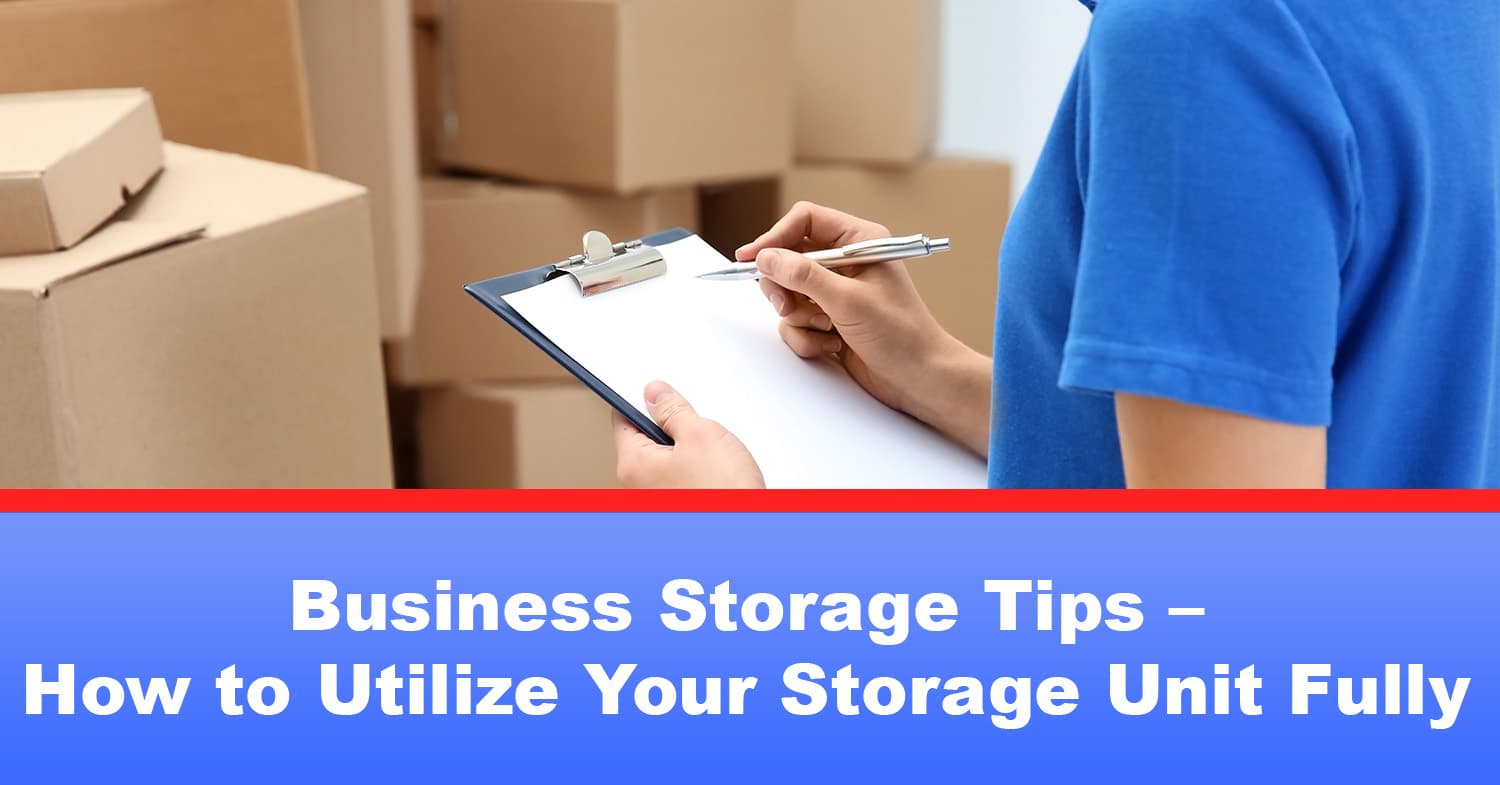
[[953, 395]]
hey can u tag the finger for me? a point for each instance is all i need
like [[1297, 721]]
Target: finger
[[797, 273], [788, 232], [805, 225], [670, 410], [809, 315], [780, 299], [628, 438], [809, 343]]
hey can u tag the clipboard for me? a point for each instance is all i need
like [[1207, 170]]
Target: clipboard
[[626, 313], [623, 266]]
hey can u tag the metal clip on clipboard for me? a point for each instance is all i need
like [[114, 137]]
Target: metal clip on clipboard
[[606, 265]]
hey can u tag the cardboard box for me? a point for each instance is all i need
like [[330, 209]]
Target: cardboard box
[[148, 355], [618, 94], [359, 78], [872, 96], [516, 436], [965, 200], [425, 77], [225, 75], [476, 229], [69, 162]]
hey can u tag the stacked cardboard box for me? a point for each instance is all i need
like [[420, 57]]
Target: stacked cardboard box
[[866, 121], [548, 119], [216, 327], [188, 334]]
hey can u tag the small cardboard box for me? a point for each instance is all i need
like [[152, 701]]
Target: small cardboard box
[[156, 353], [224, 75], [872, 95], [476, 229], [965, 200], [618, 94], [359, 78], [69, 161], [554, 435]]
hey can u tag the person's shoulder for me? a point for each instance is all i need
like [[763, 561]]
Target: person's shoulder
[[1129, 24]]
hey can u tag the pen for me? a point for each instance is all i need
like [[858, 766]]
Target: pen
[[885, 249]]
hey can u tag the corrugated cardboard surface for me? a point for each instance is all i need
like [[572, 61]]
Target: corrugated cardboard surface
[[29, 457], [516, 436], [225, 75], [475, 230], [82, 153], [867, 90], [618, 95], [248, 357], [965, 200], [359, 75]]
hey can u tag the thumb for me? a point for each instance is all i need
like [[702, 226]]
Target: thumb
[[669, 409], [801, 274]]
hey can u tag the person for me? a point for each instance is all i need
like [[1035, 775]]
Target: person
[[1259, 249]]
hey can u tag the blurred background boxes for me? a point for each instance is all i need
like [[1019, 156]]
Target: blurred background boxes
[[628, 116], [69, 161], [547, 435], [225, 75], [477, 229], [618, 95], [966, 200], [149, 355], [359, 77], [867, 79]]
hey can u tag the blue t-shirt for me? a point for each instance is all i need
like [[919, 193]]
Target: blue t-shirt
[[1282, 208]]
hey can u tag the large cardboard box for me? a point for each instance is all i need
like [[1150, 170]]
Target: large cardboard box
[[555, 435], [157, 353], [69, 161], [476, 229], [618, 94], [225, 75], [867, 79], [359, 76], [965, 200]]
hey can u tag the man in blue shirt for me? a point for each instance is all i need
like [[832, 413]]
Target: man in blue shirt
[[1261, 247]]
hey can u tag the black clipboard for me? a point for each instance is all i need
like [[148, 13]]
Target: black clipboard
[[491, 292]]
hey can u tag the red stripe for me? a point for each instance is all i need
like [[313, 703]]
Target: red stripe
[[743, 501]]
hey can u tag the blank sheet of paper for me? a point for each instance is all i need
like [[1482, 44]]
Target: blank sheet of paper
[[808, 424]]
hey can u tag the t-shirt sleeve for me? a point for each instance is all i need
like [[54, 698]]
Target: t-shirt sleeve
[[1215, 164]]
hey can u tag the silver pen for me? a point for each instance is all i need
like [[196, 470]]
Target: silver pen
[[885, 249]]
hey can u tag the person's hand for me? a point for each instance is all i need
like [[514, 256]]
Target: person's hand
[[704, 456], [868, 316]]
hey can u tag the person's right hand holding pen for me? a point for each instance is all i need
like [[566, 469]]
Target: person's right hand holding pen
[[873, 320]]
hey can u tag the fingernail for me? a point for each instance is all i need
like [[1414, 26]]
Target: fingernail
[[779, 303], [738, 252], [822, 322], [833, 345], [656, 391]]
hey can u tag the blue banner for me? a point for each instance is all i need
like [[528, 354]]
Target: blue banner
[[739, 647]]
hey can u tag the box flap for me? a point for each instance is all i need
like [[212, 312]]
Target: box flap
[[116, 242], [233, 193]]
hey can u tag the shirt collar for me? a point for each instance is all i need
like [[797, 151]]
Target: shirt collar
[[1089, 4]]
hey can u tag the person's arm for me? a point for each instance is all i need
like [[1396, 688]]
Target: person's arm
[[1169, 444]]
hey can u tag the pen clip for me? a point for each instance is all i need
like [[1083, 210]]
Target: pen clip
[[880, 244]]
